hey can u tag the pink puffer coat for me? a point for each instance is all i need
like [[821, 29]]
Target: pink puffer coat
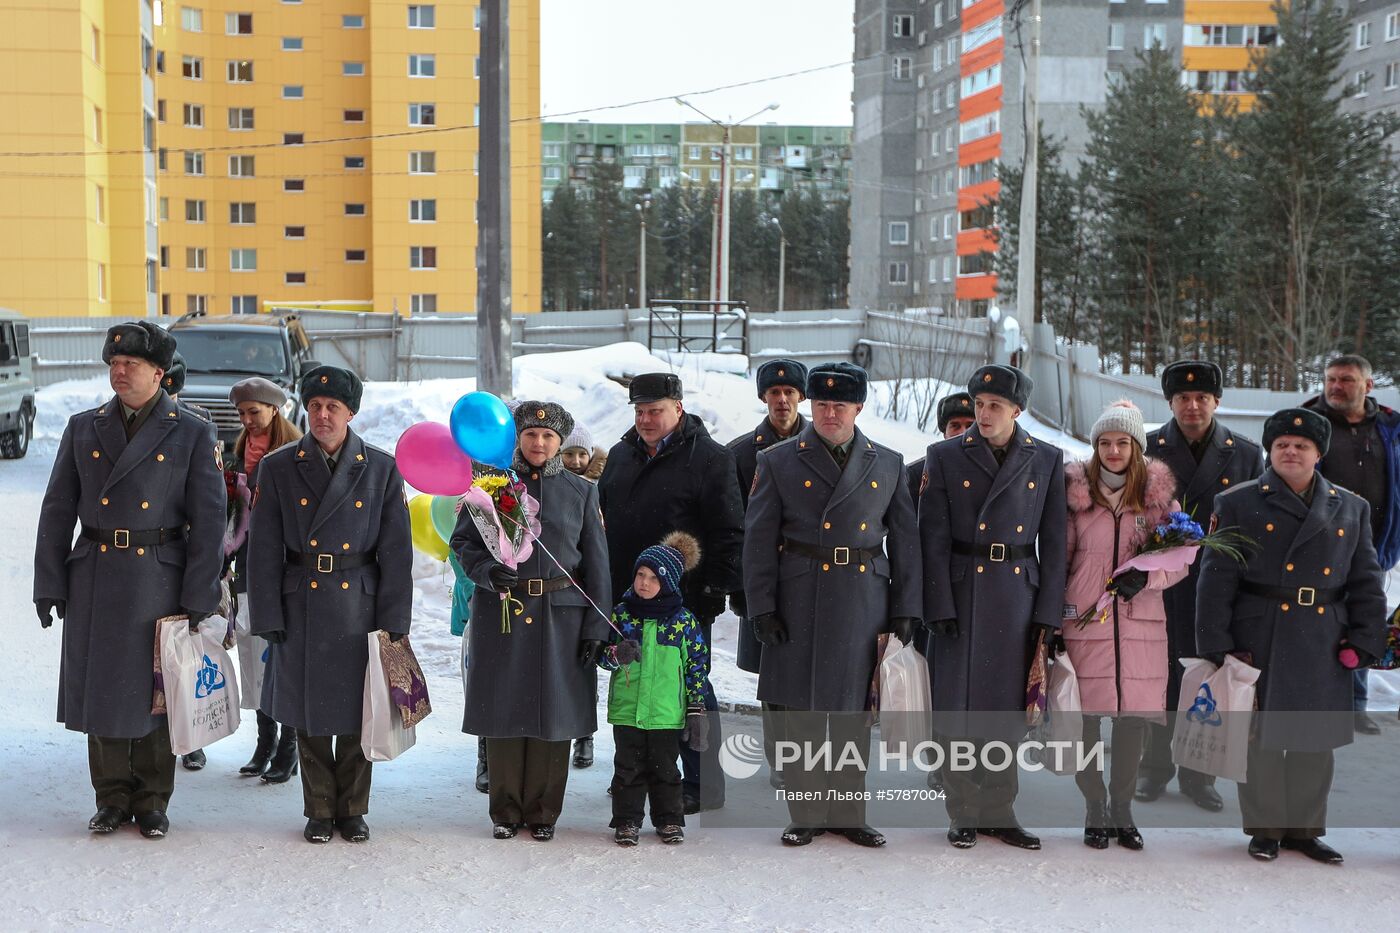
[[1121, 663]]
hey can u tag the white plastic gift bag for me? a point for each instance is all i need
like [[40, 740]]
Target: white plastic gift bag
[[1065, 722], [383, 736], [1213, 717], [252, 659], [201, 688], [906, 704]]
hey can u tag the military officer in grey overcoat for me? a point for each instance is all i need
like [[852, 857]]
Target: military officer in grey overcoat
[[329, 561], [831, 560], [1306, 608], [1206, 458], [992, 520], [531, 682], [143, 480]]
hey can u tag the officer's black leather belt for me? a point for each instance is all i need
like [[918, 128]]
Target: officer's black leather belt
[[993, 552], [1302, 595], [538, 587], [840, 556], [329, 563], [125, 537]]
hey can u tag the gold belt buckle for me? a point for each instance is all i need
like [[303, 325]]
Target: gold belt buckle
[[997, 553], [121, 538], [534, 587], [1307, 596], [842, 556], [325, 563]]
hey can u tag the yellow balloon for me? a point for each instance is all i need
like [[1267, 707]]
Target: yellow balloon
[[425, 535]]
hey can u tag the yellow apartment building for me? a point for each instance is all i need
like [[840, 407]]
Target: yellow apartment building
[[282, 152], [1220, 36]]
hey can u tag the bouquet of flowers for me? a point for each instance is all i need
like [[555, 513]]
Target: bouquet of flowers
[[508, 519], [1172, 546]]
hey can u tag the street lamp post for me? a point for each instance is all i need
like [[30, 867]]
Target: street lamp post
[[642, 206], [782, 260]]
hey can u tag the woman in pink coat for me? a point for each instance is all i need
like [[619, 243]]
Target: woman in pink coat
[[1115, 500]]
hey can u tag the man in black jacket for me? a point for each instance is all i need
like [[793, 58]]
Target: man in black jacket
[[667, 474]]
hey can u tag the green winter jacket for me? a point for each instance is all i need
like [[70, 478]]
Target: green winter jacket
[[655, 692]]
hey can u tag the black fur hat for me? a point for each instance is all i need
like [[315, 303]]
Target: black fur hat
[[837, 382], [549, 415], [1192, 376], [653, 387], [782, 373], [1299, 422], [333, 382], [959, 404], [140, 339], [174, 380], [1007, 381]]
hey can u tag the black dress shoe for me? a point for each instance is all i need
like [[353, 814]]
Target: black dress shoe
[[1366, 725], [1149, 789], [583, 752], [1127, 834], [108, 820], [1265, 850], [504, 831], [1315, 849], [962, 837], [353, 828], [153, 824], [1204, 796], [318, 831], [800, 835], [542, 831], [194, 761], [863, 836], [1013, 836], [1096, 831]]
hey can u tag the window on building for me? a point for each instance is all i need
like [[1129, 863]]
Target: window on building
[[979, 36], [164, 213], [292, 43], [352, 21], [238, 24], [422, 16], [354, 162], [191, 19], [194, 162], [294, 233], [196, 304], [903, 25], [243, 260], [354, 209], [422, 66], [194, 259], [903, 68], [165, 257], [240, 71], [948, 91], [978, 218], [898, 273], [240, 118], [194, 115], [899, 233], [422, 210], [948, 139], [240, 166], [422, 304], [975, 264], [938, 16], [1363, 83], [100, 204], [979, 127], [422, 257], [422, 114], [933, 270], [1115, 37], [243, 304], [1392, 27], [294, 184], [1392, 75], [242, 212], [293, 139], [192, 67], [552, 150], [352, 69], [979, 81], [977, 173], [694, 153], [194, 211], [1363, 35], [97, 130], [1154, 35], [295, 278], [160, 110], [293, 92], [353, 116], [354, 255], [947, 268], [947, 226], [553, 173]]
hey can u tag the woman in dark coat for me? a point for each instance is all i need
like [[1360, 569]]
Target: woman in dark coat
[[530, 685]]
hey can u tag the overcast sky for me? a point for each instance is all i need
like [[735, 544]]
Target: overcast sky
[[601, 52]]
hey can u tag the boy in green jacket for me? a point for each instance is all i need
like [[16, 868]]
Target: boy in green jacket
[[655, 698]]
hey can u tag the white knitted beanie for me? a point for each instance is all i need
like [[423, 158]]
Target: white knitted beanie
[[1121, 416]]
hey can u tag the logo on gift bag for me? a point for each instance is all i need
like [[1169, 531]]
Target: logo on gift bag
[[1203, 708], [209, 679]]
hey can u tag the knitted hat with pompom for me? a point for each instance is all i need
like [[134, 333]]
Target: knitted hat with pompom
[[677, 553], [1122, 416]]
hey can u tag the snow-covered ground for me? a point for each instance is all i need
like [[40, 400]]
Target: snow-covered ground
[[235, 857]]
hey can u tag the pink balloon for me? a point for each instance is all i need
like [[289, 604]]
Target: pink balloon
[[431, 461]]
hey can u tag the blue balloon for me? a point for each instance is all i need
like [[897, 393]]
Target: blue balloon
[[483, 427]]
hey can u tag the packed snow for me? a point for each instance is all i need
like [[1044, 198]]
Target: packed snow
[[235, 856]]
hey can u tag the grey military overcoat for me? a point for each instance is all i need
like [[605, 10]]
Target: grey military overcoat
[[834, 611], [528, 682], [168, 476], [315, 679], [1293, 639], [995, 596]]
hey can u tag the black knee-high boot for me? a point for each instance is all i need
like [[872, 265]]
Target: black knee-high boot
[[284, 760], [262, 753]]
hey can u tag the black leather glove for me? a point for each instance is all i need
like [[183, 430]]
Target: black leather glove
[[1215, 657], [590, 650], [738, 604], [770, 630], [275, 638], [1054, 640], [1128, 584], [944, 628], [195, 618], [502, 577], [904, 627], [396, 636], [46, 607], [696, 733]]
